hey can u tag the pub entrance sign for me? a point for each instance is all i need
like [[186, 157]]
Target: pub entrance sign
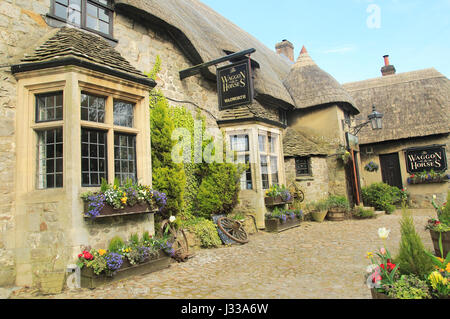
[[235, 84], [426, 159]]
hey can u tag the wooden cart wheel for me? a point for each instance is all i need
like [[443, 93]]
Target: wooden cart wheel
[[300, 195], [233, 229], [178, 239]]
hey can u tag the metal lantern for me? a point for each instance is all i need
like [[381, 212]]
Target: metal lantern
[[376, 119]]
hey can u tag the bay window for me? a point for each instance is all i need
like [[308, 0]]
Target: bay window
[[241, 145], [268, 151]]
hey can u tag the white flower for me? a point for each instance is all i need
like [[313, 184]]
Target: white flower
[[172, 219], [434, 197], [383, 233], [371, 268]]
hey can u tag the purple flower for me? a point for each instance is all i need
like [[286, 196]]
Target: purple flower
[[113, 261]]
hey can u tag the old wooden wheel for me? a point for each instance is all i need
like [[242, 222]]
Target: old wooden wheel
[[233, 229], [178, 239]]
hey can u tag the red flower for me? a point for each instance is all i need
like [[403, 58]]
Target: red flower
[[87, 255], [80, 255]]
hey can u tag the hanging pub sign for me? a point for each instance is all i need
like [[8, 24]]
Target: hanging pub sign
[[352, 141], [235, 84], [426, 159]]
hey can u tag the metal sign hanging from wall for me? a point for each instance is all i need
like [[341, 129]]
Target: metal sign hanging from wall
[[235, 84], [426, 159]]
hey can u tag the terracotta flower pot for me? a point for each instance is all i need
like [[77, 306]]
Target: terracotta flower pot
[[319, 216]]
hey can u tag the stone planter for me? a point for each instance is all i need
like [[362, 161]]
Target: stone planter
[[108, 211], [379, 295], [90, 280], [445, 243], [275, 201], [276, 225], [336, 214], [319, 216], [51, 283]]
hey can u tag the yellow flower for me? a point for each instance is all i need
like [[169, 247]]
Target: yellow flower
[[448, 268], [102, 252], [115, 187], [369, 255], [124, 200], [436, 278]]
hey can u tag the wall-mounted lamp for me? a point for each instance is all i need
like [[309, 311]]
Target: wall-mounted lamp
[[375, 119]]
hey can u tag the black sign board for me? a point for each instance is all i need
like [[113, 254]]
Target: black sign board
[[235, 84], [426, 159]]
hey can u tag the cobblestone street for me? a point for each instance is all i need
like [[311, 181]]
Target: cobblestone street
[[314, 261]]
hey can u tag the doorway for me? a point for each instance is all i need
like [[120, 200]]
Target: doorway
[[390, 170]]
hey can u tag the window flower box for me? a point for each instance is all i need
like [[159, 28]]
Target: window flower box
[[108, 211], [91, 281], [275, 201], [428, 178], [276, 225]]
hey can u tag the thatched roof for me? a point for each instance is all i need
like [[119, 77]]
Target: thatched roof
[[310, 86], [73, 46], [251, 112], [296, 143], [204, 35], [414, 104]]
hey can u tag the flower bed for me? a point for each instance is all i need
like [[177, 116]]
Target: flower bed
[[116, 200], [281, 220]]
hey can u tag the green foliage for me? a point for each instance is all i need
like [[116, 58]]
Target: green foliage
[[206, 231], [412, 258], [409, 287], [116, 244], [363, 213], [320, 205], [168, 176], [444, 216], [134, 240], [219, 190], [338, 202], [382, 197]]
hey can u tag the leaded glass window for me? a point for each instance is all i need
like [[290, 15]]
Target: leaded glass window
[[49, 107], [93, 108], [50, 158], [93, 157], [123, 113], [125, 157]]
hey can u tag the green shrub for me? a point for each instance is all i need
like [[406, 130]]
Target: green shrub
[[409, 287], [362, 213], [134, 240], [444, 216], [116, 244], [382, 197], [320, 205], [219, 190], [168, 176], [338, 202], [206, 231], [412, 259]]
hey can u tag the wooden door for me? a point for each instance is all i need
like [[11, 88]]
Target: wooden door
[[390, 170]]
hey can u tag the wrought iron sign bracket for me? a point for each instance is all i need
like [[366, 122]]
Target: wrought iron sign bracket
[[196, 69]]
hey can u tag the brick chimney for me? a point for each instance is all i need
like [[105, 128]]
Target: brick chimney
[[285, 48], [387, 69]]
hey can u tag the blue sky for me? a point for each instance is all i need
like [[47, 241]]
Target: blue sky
[[348, 38]]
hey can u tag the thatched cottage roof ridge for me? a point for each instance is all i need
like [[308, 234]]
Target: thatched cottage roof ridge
[[74, 44], [204, 35], [414, 104], [310, 86]]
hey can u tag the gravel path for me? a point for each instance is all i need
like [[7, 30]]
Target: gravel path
[[314, 261]]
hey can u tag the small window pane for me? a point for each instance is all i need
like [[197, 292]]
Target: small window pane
[[262, 143], [125, 157], [302, 166], [123, 113], [49, 107], [265, 172], [61, 11], [93, 108], [50, 164], [274, 170], [93, 162]]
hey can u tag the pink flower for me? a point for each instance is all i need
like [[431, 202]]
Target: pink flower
[[383, 251]]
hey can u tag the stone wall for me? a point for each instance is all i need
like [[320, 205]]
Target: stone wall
[[20, 26], [316, 186]]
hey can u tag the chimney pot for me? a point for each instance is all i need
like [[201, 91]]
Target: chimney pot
[[387, 69], [285, 48]]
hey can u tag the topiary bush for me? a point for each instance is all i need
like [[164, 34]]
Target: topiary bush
[[382, 197], [412, 259]]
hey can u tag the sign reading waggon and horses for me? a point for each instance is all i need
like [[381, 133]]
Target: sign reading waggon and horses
[[426, 159], [234, 84]]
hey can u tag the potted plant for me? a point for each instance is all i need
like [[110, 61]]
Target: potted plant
[[281, 219], [383, 272], [440, 228], [338, 206], [372, 167], [51, 281], [318, 210], [116, 200]]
